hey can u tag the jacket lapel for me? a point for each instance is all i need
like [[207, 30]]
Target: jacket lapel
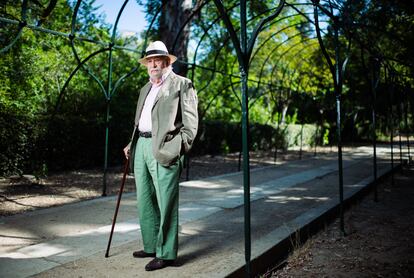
[[164, 92]]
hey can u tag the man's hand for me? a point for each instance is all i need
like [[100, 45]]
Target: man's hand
[[126, 151]]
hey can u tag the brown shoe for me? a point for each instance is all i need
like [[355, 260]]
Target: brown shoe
[[158, 264], [142, 254]]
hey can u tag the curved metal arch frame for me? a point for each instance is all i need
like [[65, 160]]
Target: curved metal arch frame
[[224, 43], [108, 93], [21, 25], [290, 26], [275, 65], [280, 44], [206, 33], [110, 90], [225, 40], [337, 72], [273, 51], [277, 129], [78, 67], [198, 46], [241, 52], [244, 74], [219, 93], [228, 37], [276, 33], [244, 51], [218, 18], [285, 69]]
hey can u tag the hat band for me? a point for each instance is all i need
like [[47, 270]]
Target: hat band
[[152, 52]]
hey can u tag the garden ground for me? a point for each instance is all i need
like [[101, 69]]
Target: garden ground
[[379, 234], [378, 242]]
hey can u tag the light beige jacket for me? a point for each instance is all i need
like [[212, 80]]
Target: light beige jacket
[[174, 119]]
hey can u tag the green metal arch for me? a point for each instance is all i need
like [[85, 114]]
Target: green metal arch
[[21, 25]]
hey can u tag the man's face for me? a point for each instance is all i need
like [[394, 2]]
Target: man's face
[[156, 66]]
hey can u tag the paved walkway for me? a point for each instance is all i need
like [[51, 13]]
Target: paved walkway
[[70, 241]]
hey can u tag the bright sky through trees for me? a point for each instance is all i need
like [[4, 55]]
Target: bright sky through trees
[[132, 19]]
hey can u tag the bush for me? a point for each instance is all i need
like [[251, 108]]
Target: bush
[[67, 142], [16, 142], [301, 135], [215, 137], [37, 145]]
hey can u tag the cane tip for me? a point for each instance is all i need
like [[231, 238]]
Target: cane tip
[[106, 255]]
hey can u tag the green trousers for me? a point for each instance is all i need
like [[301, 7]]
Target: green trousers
[[157, 201]]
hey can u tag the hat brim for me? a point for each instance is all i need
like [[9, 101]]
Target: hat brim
[[143, 61]]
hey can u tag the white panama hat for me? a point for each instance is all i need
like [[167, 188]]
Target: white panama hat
[[155, 49]]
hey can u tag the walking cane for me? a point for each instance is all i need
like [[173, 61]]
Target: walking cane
[[117, 206]]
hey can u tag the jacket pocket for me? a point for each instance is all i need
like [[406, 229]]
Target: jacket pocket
[[169, 152], [172, 144]]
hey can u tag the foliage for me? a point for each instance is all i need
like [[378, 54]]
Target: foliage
[[218, 137], [34, 135], [16, 142], [301, 135]]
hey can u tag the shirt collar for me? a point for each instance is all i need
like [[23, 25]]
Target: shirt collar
[[167, 72]]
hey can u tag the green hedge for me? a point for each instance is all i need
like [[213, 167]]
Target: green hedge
[[74, 142], [16, 142], [216, 137], [37, 145], [297, 135]]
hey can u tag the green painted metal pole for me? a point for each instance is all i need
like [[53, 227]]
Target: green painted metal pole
[[107, 119], [391, 119], [340, 166], [399, 132], [336, 71], [106, 147], [246, 171], [407, 133], [373, 131], [301, 142], [338, 93], [244, 68]]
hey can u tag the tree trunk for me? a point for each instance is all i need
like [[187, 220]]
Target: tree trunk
[[284, 111], [173, 16]]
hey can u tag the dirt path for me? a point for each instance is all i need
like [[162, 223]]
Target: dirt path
[[379, 241]]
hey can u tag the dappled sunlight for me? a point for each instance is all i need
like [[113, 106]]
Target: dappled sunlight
[[39, 251], [298, 189], [285, 199], [84, 238], [193, 211], [10, 242], [76, 244], [356, 185], [123, 227], [316, 198], [298, 166], [206, 184], [224, 201], [190, 232]]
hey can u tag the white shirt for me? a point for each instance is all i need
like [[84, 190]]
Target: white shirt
[[145, 121]]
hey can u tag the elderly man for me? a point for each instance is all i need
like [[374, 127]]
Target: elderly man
[[166, 122]]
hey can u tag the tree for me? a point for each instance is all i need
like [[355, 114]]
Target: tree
[[173, 26]]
